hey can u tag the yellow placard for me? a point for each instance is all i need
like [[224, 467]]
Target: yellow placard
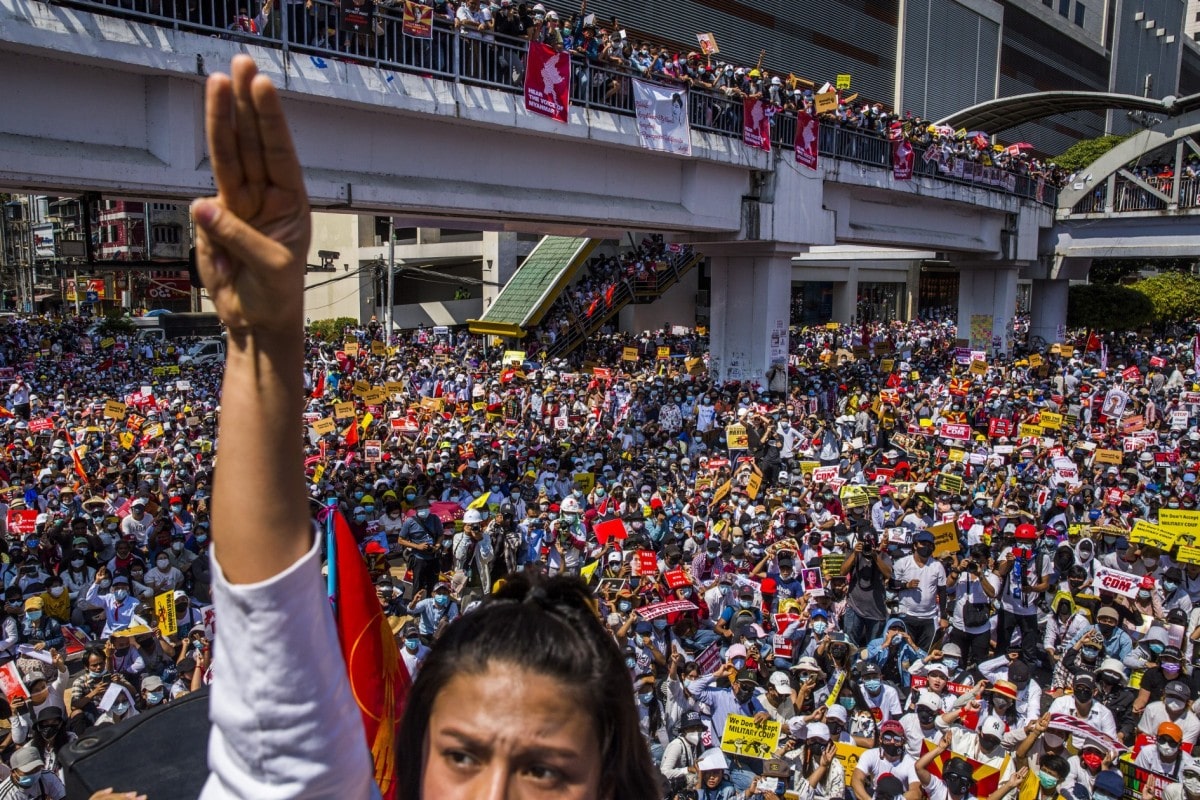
[[360, 387], [849, 754], [736, 437], [826, 103], [957, 455], [1050, 421], [164, 610], [324, 426], [753, 484], [694, 366], [629, 354], [663, 353], [394, 387], [945, 540], [1179, 522], [948, 483], [1029, 430], [1152, 535], [513, 355], [127, 440], [808, 466], [433, 403], [343, 410], [833, 326], [1103, 456], [843, 81], [161, 372], [318, 473], [107, 343], [978, 367], [1188, 554], [114, 409], [1066, 350], [350, 348], [887, 364], [1035, 359], [585, 480], [153, 431], [374, 397], [378, 349], [745, 737]]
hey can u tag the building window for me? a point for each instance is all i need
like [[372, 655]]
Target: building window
[[1064, 7], [166, 234], [1048, 3], [1079, 12]]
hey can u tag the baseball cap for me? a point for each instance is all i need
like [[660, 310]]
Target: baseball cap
[[937, 667], [923, 536], [748, 676], [1168, 728], [891, 726], [992, 726], [1177, 689], [870, 670], [691, 720], [1110, 783], [152, 683], [735, 651], [27, 759], [780, 681], [817, 730], [929, 700], [836, 712]]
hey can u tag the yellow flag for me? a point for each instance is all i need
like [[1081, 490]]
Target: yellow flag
[[366, 421], [588, 571], [480, 502]]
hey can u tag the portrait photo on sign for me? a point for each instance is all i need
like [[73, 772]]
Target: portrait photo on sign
[[813, 582]]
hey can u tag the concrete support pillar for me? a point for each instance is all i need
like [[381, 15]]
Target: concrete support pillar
[[750, 307], [1048, 309], [500, 253], [987, 302], [845, 298]]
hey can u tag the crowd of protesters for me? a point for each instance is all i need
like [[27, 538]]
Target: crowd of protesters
[[918, 570]]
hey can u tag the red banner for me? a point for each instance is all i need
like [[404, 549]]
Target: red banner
[[903, 158], [39, 425], [662, 609], [418, 20], [22, 521], [999, 427], [756, 125], [807, 131], [547, 82], [646, 563]]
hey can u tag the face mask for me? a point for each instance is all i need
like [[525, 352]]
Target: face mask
[[25, 781], [819, 628], [1143, 594], [1001, 704], [738, 663], [659, 624], [645, 697], [154, 698], [1170, 670], [201, 537], [442, 600], [989, 743], [76, 562], [121, 594], [56, 591], [33, 616], [120, 707], [743, 694], [410, 497], [1092, 760], [692, 738], [873, 685], [1150, 561], [926, 717], [412, 645], [950, 663], [423, 513], [177, 546], [112, 526], [1047, 781], [1167, 751], [1191, 784], [1156, 648], [746, 604], [360, 517], [624, 606], [1083, 694], [176, 508], [630, 663], [163, 563], [1174, 705], [1105, 629], [846, 702]]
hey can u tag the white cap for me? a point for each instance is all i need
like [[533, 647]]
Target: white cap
[[780, 681], [992, 726], [796, 727], [713, 759], [929, 700], [836, 712], [817, 730], [937, 666]]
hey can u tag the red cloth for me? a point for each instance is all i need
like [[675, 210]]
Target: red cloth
[[378, 678], [351, 433], [319, 389]]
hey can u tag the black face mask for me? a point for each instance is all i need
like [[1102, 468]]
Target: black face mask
[[957, 784], [924, 550], [1084, 693], [743, 695], [1105, 629], [893, 751], [926, 717]]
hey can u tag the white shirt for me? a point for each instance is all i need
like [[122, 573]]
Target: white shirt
[[274, 739], [874, 765], [920, 602]]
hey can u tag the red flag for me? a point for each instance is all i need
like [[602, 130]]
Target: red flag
[[379, 680], [319, 389], [592, 308], [351, 433], [1093, 343], [5, 413], [608, 294], [75, 456], [547, 82]]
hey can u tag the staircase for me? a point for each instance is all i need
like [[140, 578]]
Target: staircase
[[583, 327]]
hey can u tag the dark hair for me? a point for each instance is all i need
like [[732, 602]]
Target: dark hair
[[551, 628], [1057, 765]]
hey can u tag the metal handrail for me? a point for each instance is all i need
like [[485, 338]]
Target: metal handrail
[[315, 30]]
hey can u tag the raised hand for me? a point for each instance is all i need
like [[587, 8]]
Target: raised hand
[[253, 236]]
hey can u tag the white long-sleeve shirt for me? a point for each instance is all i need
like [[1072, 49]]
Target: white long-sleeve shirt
[[280, 694]]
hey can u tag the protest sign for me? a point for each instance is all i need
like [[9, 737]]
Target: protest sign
[[745, 737], [1153, 535], [372, 451], [645, 562], [736, 437], [547, 81], [662, 609], [11, 683], [676, 579], [630, 354], [343, 410], [1103, 456], [807, 138], [945, 539], [1179, 521], [164, 611], [115, 409], [662, 119], [1114, 580], [756, 125], [323, 427], [22, 521], [952, 430]]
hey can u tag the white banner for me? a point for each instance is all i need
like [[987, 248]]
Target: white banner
[[662, 118], [1114, 580]]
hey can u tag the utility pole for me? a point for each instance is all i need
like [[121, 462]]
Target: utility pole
[[389, 290]]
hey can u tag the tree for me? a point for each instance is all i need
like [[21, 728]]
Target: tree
[[1175, 296], [332, 330], [115, 324], [1108, 308], [1117, 270], [1085, 151]]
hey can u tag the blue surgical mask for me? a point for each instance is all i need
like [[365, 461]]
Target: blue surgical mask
[[1169, 586], [120, 594], [410, 497], [412, 645], [422, 513], [25, 781], [442, 600], [846, 702], [819, 627], [739, 663], [873, 685], [950, 663], [369, 509], [33, 616], [154, 698], [645, 697]]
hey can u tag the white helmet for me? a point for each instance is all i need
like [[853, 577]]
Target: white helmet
[[570, 506], [472, 517]]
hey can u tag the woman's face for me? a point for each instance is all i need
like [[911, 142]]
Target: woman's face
[[509, 734]]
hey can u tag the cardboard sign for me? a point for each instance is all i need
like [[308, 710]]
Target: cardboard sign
[[22, 521], [826, 103], [512, 355], [978, 367], [630, 354], [954, 430], [645, 562], [824, 474], [1152, 535], [1179, 522], [945, 539], [372, 451], [1102, 456], [1035, 360], [107, 343], [378, 349], [946, 482], [664, 353], [350, 349], [886, 365], [114, 409], [1050, 421], [744, 737], [324, 427], [374, 397], [676, 579], [849, 754], [736, 437], [998, 427], [1114, 580], [343, 410], [164, 612], [1188, 554]]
